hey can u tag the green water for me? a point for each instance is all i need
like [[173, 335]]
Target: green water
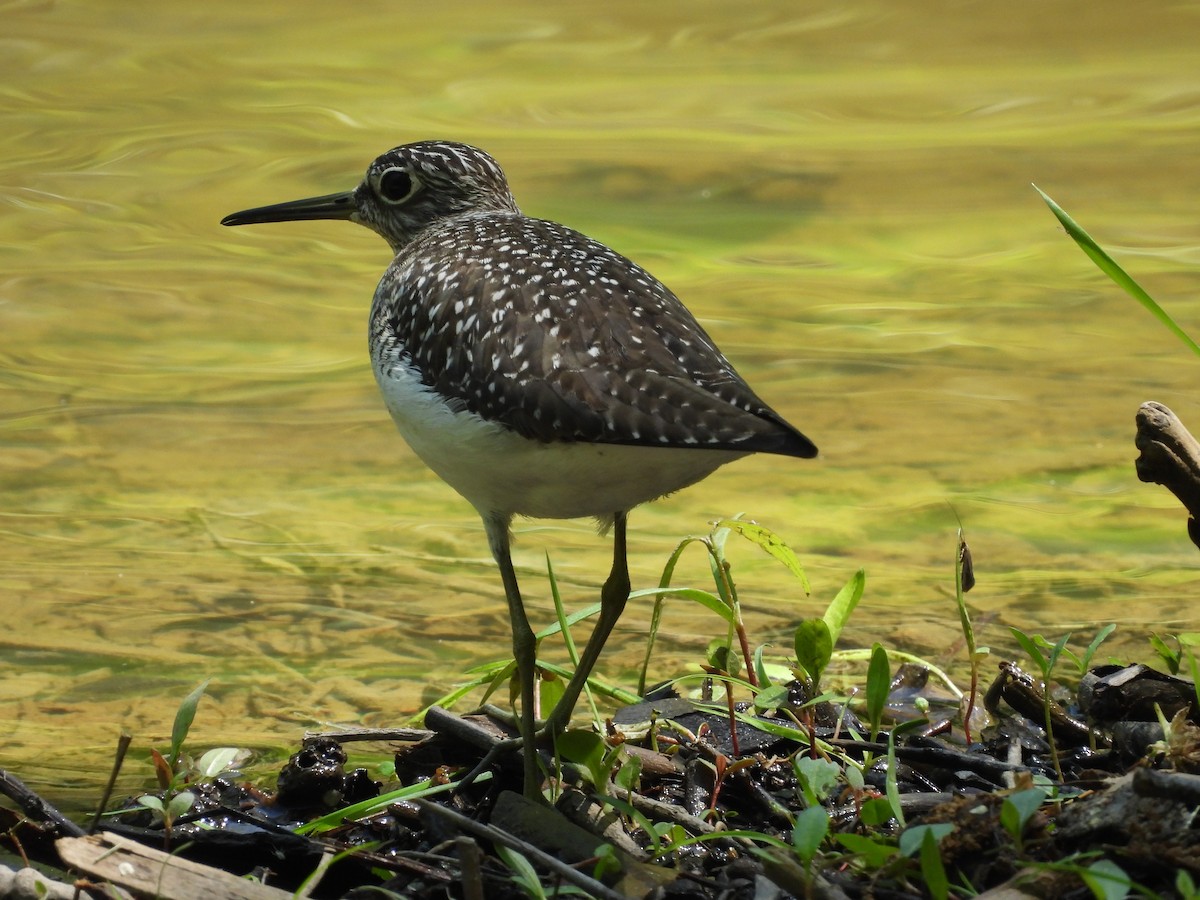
[[199, 480]]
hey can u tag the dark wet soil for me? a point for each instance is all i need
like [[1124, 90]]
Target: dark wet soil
[[688, 807]]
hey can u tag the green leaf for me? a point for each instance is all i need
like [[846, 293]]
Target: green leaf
[[630, 773], [818, 777], [151, 802], [1017, 809], [876, 811], [1171, 658], [523, 872], [1185, 886], [183, 720], [872, 851], [771, 697], [879, 685], [180, 804], [656, 612], [1106, 879], [814, 647], [607, 862], [760, 667], [811, 826], [718, 656], [771, 543], [932, 868], [838, 612], [587, 749], [1032, 650], [890, 785], [1095, 645], [1109, 267], [216, 761], [911, 839], [1056, 651], [578, 616], [628, 810]]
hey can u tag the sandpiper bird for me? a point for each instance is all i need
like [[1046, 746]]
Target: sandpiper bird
[[537, 371]]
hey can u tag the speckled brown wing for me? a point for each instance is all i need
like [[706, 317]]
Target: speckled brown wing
[[535, 326]]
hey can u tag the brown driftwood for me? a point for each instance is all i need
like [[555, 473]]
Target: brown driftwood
[[1170, 456], [151, 872]]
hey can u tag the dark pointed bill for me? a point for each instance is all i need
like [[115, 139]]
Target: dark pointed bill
[[330, 206]]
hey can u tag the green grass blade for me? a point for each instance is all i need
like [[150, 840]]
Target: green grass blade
[[1110, 268], [706, 599], [426, 788], [656, 612], [560, 614]]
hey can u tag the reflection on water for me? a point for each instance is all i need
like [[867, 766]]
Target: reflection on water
[[200, 481]]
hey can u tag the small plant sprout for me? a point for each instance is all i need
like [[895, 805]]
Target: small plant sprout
[[1045, 661], [814, 639], [175, 770], [814, 648], [816, 779], [1017, 810], [1174, 658], [167, 768], [964, 580], [724, 602], [523, 874], [588, 750], [177, 805]]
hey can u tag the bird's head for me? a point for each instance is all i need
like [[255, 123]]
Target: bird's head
[[404, 191]]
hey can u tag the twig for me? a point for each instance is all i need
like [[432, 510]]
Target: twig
[[497, 836], [119, 760], [34, 806], [346, 735], [938, 756]]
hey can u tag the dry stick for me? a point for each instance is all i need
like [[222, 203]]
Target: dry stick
[[939, 756], [123, 743], [661, 810], [497, 836], [397, 735], [470, 860]]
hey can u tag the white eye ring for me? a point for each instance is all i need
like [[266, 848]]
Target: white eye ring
[[395, 185]]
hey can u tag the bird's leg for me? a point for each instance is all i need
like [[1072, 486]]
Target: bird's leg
[[524, 651], [613, 597]]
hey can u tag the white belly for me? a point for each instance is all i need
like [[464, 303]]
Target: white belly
[[502, 473]]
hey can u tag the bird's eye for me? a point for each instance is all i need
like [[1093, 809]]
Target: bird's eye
[[395, 185]]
